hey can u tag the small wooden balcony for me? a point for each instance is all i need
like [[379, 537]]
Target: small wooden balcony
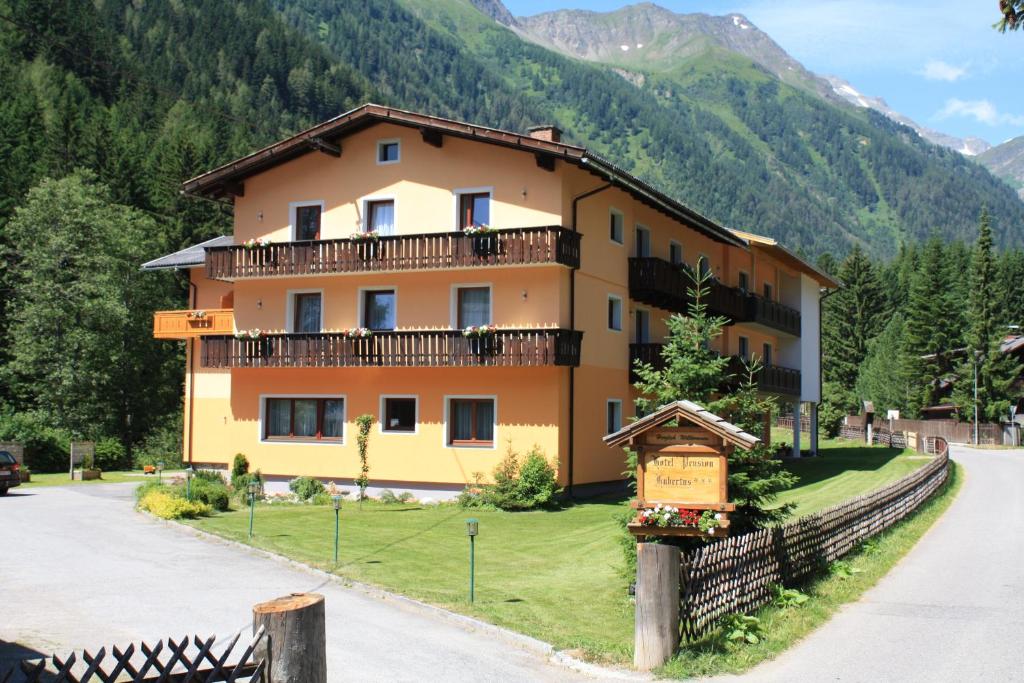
[[656, 282], [192, 324], [771, 379], [422, 349], [427, 251], [772, 314]]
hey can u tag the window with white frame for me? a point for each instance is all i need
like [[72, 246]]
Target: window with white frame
[[614, 313], [471, 421], [613, 420], [388, 151], [675, 253], [379, 309], [380, 216], [306, 312], [767, 354], [743, 347], [642, 246], [303, 419], [474, 209], [306, 219], [398, 414], [615, 226], [642, 327], [472, 306]]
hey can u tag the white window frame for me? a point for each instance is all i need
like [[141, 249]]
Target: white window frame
[[646, 311], [453, 303], [445, 431], [383, 415], [361, 301], [613, 297], [388, 141], [457, 194], [608, 404], [293, 217], [612, 211], [289, 308], [637, 228], [682, 252], [364, 207], [302, 442]]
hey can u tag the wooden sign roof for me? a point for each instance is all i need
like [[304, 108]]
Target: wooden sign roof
[[687, 411]]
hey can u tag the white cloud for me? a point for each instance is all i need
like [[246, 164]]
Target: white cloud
[[981, 111], [938, 70]]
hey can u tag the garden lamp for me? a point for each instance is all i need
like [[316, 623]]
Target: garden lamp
[[472, 529], [188, 482], [336, 499], [160, 470], [253, 490]]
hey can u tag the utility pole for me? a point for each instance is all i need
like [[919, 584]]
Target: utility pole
[[975, 398]]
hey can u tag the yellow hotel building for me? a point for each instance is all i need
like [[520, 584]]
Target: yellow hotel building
[[358, 261]]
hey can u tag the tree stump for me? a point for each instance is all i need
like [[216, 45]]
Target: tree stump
[[295, 647], [656, 631]]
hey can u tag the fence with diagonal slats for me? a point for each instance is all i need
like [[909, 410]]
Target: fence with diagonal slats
[[186, 661], [737, 574]]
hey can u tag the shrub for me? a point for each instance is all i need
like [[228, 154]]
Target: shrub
[[110, 455], [241, 483], [527, 485], [240, 465], [163, 443], [306, 487], [46, 447], [142, 489], [388, 497], [741, 629], [209, 475], [166, 505], [214, 494], [322, 498]]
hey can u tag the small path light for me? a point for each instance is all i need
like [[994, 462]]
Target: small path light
[[253, 490], [472, 529], [160, 471], [188, 482], [336, 498]]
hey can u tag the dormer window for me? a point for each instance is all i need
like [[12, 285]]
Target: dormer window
[[388, 152]]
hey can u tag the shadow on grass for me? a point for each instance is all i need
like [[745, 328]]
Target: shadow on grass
[[835, 461]]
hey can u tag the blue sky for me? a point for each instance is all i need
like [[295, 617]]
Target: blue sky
[[939, 62]]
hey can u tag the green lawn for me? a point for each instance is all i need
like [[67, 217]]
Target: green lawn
[[62, 479], [553, 575]]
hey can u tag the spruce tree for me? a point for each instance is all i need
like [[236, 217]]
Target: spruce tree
[[883, 378], [929, 330]]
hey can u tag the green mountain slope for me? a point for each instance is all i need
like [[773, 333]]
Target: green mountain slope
[[1007, 162]]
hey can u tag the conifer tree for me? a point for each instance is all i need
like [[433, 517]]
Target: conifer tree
[[883, 375]]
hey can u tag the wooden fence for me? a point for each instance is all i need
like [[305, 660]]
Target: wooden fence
[[737, 574]]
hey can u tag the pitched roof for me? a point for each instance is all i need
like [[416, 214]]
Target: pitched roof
[[789, 258], [691, 412], [220, 181], [187, 257]]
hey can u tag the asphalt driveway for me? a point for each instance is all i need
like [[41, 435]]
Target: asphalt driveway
[[79, 568]]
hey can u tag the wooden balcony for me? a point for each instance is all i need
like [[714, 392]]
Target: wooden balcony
[[772, 314], [772, 379], [656, 282], [426, 349], [192, 324], [513, 247]]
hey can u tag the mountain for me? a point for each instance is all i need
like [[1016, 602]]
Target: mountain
[[967, 146], [1006, 161]]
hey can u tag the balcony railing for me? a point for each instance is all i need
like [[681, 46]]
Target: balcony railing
[[657, 282], [440, 348], [192, 324], [513, 247], [772, 379], [772, 314]]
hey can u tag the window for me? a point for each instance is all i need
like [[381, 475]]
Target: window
[[473, 306], [703, 265], [471, 422], [642, 320], [380, 216], [306, 311], [767, 349], [744, 347], [744, 283], [304, 419], [675, 253], [379, 309], [474, 209], [388, 152], [769, 291], [643, 242], [614, 313], [614, 416], [398, 414], [615, 227], [307, 222]]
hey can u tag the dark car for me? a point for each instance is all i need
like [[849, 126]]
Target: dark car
[[9, 474]]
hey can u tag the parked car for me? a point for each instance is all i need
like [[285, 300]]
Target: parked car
[[9, 474]]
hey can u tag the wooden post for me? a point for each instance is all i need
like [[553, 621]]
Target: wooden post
[[657, 605], [295, 647]]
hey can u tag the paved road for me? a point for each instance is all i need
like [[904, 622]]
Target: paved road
[[80, 569], [952, 610]]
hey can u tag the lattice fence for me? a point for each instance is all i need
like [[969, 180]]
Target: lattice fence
[[185, 661], [737, 574], [884, 437]]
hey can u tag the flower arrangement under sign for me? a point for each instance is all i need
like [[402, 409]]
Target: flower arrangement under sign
[[197, 315], [479, 331], [477, 230], [668, 516], [255, 333], [358, 332], [257, 242], [371, 236]]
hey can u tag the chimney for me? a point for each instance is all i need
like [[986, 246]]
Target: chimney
[[548, 133]]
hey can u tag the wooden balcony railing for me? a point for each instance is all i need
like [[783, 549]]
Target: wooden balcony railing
[[191, 324], [772, 314], [435, 348], [772, 379], [657, 282], [513, 247]]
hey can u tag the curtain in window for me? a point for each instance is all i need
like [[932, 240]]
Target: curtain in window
[[305, 417], [462, 420], [474, 306], [379, 311], [484, 421], [279, 416], [334, 419], [308, 219], [382, 217], [307, 317]]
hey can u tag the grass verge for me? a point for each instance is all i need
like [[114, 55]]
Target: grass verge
[[113, 477], [784, 627]]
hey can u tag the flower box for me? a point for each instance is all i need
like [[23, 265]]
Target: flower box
[[256, 243]]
